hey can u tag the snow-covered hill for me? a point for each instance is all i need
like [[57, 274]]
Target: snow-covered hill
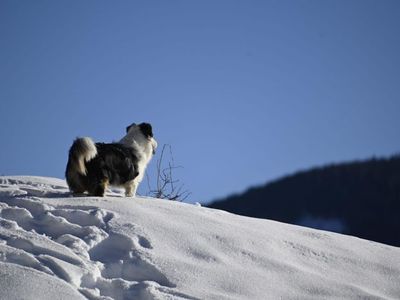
[[53, 246]]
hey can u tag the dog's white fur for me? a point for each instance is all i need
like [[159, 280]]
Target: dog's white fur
[[144, 148]]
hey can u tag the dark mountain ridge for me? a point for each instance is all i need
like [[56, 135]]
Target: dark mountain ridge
[[360, 198]]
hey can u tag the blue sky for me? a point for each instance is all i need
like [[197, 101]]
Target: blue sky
[[243, 91]]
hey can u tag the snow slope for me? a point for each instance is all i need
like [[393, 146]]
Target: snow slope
[[53, 246]]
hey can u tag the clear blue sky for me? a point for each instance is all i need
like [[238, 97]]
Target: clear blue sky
[[244, 91]]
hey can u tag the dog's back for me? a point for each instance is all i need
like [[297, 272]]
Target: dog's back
[[115, 162], [92, 165]]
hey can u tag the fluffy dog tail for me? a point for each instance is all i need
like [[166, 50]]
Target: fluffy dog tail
[[81, 151]]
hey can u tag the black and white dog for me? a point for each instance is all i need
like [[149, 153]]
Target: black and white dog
[[93, 166]]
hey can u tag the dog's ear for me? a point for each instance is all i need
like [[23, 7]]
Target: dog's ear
[[146, 129], [129, 127]]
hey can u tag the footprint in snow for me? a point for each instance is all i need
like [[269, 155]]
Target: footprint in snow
[[75, 243]]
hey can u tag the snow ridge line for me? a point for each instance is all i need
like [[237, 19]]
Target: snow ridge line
[[76, 244]]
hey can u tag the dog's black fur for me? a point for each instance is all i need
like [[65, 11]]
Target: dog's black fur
[[114, 164]]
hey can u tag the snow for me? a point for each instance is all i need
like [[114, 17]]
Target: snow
[[54, 246]]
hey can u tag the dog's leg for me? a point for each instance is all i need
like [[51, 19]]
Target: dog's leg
[[101, 187], [130, 188]]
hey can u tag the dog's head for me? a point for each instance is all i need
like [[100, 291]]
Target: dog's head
[[142, 134]]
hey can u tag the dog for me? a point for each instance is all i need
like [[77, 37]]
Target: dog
[[92, 167]]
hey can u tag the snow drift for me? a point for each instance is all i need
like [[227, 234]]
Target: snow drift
[[54, 246]]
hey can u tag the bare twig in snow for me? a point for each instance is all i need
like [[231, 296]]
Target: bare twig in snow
[[166, 186]]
